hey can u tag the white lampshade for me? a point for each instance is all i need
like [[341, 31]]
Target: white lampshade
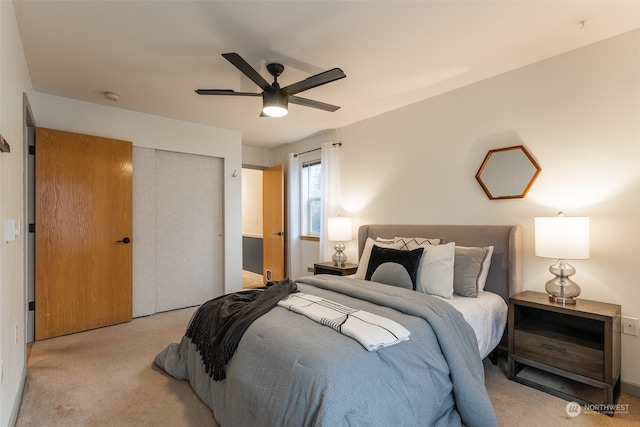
[[339, 229], [562, 237]]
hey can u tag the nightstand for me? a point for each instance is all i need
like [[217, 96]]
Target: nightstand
[[571, 351], [337, 270]]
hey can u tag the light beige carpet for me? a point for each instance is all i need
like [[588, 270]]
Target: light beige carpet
[[106, 377]]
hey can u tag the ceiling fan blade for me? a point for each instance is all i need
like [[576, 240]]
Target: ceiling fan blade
[[313, 104], [314, 81], [225, 92], [247, 69]]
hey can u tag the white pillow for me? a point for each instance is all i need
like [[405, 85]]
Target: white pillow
[[484, 273], [363, 264], [436, 270]]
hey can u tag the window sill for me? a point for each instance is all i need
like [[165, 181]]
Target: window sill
[[310, 238]]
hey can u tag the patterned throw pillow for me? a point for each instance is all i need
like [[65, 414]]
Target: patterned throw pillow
[[410, 243]]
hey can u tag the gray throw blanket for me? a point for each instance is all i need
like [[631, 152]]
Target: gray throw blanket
[[218, 325]]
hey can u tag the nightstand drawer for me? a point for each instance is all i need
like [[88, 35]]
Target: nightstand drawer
[[579, 359]]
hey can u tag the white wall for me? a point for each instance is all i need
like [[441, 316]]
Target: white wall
[[257, 156], [579, 116], [14, 80], [149, 131]]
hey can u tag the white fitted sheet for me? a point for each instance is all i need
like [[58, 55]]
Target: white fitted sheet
[[487, 315]]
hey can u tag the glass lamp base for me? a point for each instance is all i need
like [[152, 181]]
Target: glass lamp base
[[339, 258], [562, 289], [561, 300]]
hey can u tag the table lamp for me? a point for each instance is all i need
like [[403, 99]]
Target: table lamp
[[339, 230], [562, 237]]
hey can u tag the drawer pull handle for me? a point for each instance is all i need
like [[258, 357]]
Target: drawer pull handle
[[553, 348]]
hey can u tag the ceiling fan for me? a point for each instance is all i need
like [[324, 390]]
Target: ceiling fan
[[275, 99]]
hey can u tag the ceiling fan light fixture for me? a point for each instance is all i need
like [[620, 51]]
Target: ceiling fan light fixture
[[274, 104], [275, 101]]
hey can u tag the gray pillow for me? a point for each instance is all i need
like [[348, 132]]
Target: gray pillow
[[466, 270]]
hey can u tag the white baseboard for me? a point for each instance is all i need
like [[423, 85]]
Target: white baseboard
[[630, 388], [16, 404]]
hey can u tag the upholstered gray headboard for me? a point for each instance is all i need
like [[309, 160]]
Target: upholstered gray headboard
[[505, 274]]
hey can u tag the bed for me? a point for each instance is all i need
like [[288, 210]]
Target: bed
[[289, 370]]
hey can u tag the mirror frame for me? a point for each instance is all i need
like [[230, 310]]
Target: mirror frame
[[485, 163]]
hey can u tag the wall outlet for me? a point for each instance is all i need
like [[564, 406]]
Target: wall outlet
[[630, 325]]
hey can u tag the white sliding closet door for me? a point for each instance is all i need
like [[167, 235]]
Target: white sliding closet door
[[189, 229]]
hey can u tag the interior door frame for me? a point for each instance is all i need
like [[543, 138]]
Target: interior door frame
[[29, 197], [261, 202]]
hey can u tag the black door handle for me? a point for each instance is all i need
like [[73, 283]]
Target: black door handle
[[126, 241]]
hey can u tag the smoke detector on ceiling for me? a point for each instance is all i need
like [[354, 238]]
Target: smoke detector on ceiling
[[111, 96]]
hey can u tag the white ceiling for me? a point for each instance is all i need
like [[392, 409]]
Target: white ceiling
[[394, 53]]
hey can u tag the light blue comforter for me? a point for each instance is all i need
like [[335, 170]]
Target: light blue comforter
[[291, 371]]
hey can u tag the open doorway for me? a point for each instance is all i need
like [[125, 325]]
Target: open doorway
[[252, 227], [263, 234]]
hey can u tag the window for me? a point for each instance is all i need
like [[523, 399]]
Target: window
[[311, 191]]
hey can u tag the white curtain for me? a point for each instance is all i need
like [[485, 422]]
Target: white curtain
[[330, 164], [293, 221]]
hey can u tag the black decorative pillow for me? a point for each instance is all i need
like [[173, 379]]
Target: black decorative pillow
[[394, 267]]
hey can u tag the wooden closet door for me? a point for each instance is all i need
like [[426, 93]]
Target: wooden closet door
[[83, 276]]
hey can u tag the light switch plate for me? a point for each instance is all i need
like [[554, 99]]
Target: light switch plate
[[10, 235]]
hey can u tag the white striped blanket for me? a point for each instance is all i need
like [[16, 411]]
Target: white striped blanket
[[370, 330]]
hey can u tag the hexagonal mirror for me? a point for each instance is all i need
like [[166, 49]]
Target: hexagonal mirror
[[508, 173]]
